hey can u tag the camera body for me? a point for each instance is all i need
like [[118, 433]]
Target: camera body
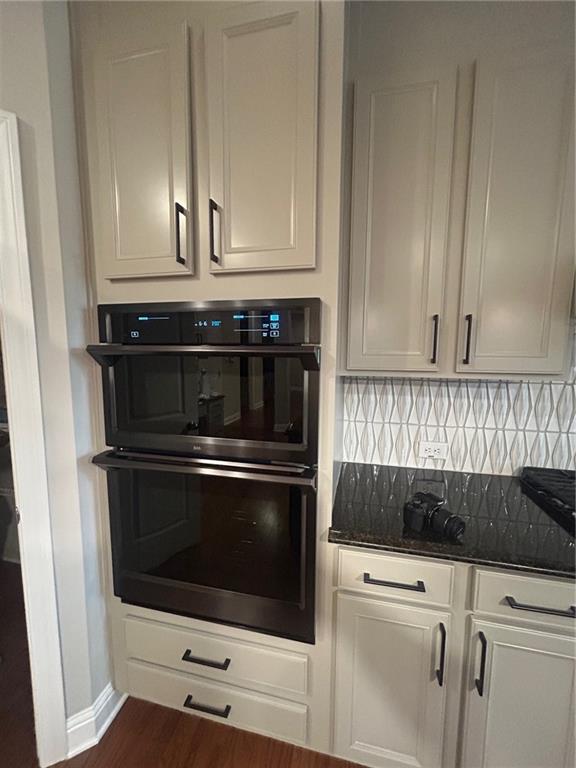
[[426, 512]]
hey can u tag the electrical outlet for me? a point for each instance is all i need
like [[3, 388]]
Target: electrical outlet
[[430, 450]]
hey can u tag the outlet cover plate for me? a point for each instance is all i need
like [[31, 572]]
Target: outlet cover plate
[[432, 450]]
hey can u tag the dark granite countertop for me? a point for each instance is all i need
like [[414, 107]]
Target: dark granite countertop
[[504, 528]]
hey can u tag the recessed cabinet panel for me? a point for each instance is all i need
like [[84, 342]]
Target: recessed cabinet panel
[[144, 227], [519, 252], [525, 715], [389, 703], [262, 63], [216, 656], [239, 707], [261, 110], [402, 159], [139, 85]]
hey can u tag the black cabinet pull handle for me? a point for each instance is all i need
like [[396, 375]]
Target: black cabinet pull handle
[[205, 662], [466, 358], [213, 206], [191, 704], [440, 670], [418, 587], [569, 614], [179, 209], [436, 321], [479, 682]]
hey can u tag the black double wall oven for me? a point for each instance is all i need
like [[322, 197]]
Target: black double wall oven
[[211, 414]]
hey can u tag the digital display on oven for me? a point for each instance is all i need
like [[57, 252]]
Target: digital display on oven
[[241, 327], [267, 324], [251, 326]]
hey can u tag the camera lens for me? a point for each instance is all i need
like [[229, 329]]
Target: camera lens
[[454, 528], [448, 525]]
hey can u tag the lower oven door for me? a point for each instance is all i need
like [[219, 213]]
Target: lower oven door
[[219, 542]]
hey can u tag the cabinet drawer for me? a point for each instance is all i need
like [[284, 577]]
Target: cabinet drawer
[[525, 597], [216, 657], [427, 582], [245, 709]]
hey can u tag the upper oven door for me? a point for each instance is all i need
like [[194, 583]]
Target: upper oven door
[[258, 403]]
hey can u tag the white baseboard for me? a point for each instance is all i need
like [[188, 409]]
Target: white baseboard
[[86, 728], [14, 559]]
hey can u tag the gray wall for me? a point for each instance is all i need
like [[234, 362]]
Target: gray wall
[[36, 84]]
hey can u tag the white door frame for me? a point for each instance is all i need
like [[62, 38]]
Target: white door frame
[[22, 376]]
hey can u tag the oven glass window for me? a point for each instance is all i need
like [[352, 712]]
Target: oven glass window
[[239, 535], [257, 398]]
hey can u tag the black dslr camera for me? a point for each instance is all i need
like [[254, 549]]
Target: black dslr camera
[[425, 512]]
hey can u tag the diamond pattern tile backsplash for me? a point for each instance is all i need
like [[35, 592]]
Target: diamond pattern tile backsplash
[[495, 427]]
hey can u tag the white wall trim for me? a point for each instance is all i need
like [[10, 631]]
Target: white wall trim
[[11, 559], [28, 453], [86, 728], [231, 418]]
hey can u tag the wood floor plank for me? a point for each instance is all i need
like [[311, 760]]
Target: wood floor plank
[[17, 739], [145, 735], [246, 749], [179, 751], [138, 740], [214, 744]]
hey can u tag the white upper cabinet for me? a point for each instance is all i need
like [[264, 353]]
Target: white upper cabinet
[[520, 699], [262, 93], [403, 130], [519, 249], [462, 188], [390, 684], [143, 223]]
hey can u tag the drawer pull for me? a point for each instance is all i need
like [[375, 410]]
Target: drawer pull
[[205, 662], [179, 210], [436, 321], [190, 704], [440, 671], [418, 587], [466, 359], [570, 613], [479, 682], [212, 207]]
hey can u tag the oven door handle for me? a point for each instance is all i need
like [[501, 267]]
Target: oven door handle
[[108, 354], [113, 460]]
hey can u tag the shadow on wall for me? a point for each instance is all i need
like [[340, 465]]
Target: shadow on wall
[[8, 525]]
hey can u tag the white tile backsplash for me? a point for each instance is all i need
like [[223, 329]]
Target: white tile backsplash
[[491, 426]]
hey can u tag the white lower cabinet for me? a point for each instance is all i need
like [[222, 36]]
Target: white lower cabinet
[[507, 640], [243, 708], [520, 699], [390, 695]]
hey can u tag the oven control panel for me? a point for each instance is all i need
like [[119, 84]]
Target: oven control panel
[[213, 324]]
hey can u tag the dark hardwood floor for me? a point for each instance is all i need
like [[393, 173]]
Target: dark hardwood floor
[[17, 740], [145, 735]]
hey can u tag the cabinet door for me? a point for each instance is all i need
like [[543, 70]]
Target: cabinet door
[[143, 225], [519, 250], [262, 72], [389, 702], [520, 699], [403, 139]]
